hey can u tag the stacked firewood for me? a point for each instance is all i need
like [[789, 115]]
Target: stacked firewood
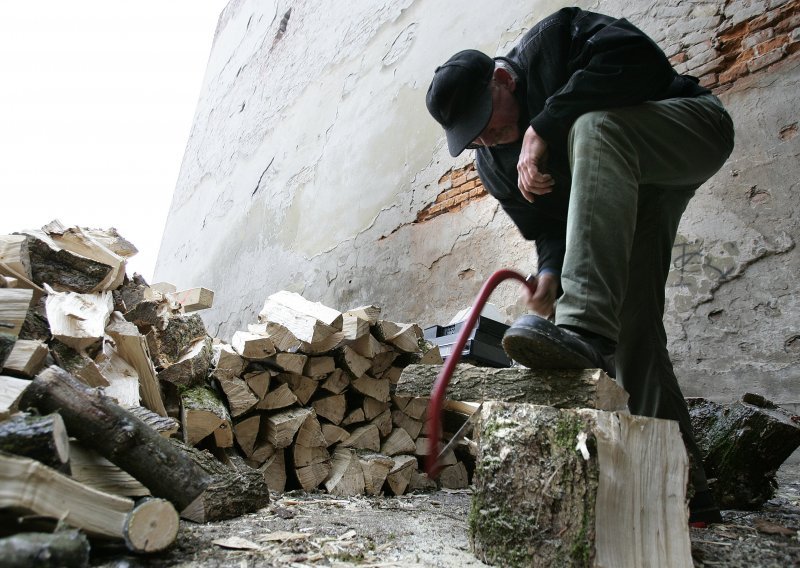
[[301, 399]]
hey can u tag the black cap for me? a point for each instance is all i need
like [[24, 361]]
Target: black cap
[[459, 97]]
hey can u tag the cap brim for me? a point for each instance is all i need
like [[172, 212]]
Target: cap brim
[[465, 130]]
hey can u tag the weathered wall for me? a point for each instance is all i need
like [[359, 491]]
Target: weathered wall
[[313, 166]]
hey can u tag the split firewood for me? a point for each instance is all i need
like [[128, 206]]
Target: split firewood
[[352, 362], [411, 426], [310, 322], [78, 320], [367, 346], [454, 476], [333, 434], [743, 445], [310, 456], [122, 379], [14, 253], [132, 292], [354, 417], [251, 346], [150, 526], [373, 407], [375, 467], [346, 477], [303, 387], [331, 408], [354, 327], [400, 475], [415, 407], [381, 362], [204, 414], [226, 362], [164, 425], [11, 389], [590, 388], [369, 313], [446, 459], [152, 315], [13, 279], [337, 382], [258, 381], [274, 471], [46, 550], [319, 365], [26, 358], [365, 437], [421, 482], [93, 470], [393, 373], [383, 422], [14, 305], [262, 452], [132, 346], [375, 388], [572, 462], [193, 299], [398, 442], [192, 367], [282, 426], [240, 397], [35, 325], [404, 336], [246, 433], [280, 397], [291, 362], [170, 344], [79, 365], [42, 438]]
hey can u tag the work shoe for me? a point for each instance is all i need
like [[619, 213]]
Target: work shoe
[[540, 344]]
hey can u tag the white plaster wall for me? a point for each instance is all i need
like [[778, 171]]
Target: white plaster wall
[[312, 152]]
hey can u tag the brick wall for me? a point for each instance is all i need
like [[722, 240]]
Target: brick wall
[[718, 42]]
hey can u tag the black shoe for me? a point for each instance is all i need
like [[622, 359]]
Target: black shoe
[[540, 344], [703, 510]]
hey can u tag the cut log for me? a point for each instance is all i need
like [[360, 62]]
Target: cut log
[[152, 315], [11, 389], [373, 407], [170, 344], [352, 362], [365, 437], [93, 470], [302, 387], [113, 241], [262, 452], [393, 373], [78, 320], [404, 337], [310, 322], [579, 487], [80, 366], [204, 414], [310, 456], [398, 442], [26, 358], [421, 482], [312, 476], [132, 347], [280, 397], [291, 362], [282, 426], [384, 423], [354, 327], [310, 433], [346, 477], [192, 367], [42, 438], [411, 426], [194, 299], [14, 253], [258, 381], [14, 305], [164, 425], [122, 379], [150, 526], [369, 313], [743, 444], [400, 475], [45, 550], [246, 433], [316, 366], [240, 397], [227, 363], [375, 388], [381, 362], [356, 416], [253, 347], [415, 407], [274, 471], [333, 434], [375, 467], [331, 408], [454, 476], [590, 388], [337, 382], [367, 346]]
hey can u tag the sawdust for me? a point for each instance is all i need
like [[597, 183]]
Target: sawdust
[[315, 529]]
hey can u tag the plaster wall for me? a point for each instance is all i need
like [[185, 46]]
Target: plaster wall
[[312, 154]]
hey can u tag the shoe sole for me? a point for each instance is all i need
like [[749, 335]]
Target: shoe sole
[[537, 349]]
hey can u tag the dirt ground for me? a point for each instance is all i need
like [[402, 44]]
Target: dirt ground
[[430, 529]]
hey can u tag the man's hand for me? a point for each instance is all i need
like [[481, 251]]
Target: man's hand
[[532, 181], [543, 301]]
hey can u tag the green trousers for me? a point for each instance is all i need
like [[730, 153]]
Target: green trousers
[[634, 170]]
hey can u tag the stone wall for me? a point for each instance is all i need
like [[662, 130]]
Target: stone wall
[[313, 166]]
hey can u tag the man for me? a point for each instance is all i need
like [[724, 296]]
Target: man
[[593, 145]]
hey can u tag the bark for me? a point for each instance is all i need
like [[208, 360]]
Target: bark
[[68, 548], [42, 438]]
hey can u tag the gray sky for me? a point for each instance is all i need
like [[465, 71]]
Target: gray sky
[[96, 105]]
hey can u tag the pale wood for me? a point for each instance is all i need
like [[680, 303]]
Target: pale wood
[[27, 357], [365, 437], [311, 476], [258, 381], [132, 346], [14, 305], [367, 346], [282, 426], [423, 445], [192, 367], [310, 432], [337, 382], [404, 336], [331, 408], [384, 422], [194, 299], [305, 319], [375, 467], [398, 442], [246, 432], [375, 388], [262, 452], [240, 397], [415, 407], [11, 388], [333, 434], [274, 471], [393, 374], [14, 253], [113, 241], [421, 482], [410, 425], [32, 486], [370, 313], [382, 361], [204, 414], [42, 438], [280, 397], [21, 280], [303, 387], [283, 339], [251, 346], [354, 327], [560, 388], [355, 416], [346, 477], [352, 362], [78, 320], [164, 288], [291, 362], [373, 407], [454, 476], [79, 365], [164, 425], [400, 475], [320, 365], [122, 378], [226, 361], [93, 470], [606, 486], [303, 456]]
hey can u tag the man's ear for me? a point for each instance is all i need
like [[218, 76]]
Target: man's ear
[[502, 77]]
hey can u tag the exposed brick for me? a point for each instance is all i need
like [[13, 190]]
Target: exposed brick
[[734, 72], [772, 4], [767, 59], [469, 185], [703, 59], [709, 80], [678, 58], [673, 49], [795, 35], [768, 46], [459, 180], [789, 24], [713, 66], [758, 37]]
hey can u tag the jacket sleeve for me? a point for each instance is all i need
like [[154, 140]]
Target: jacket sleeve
[[608, 63]]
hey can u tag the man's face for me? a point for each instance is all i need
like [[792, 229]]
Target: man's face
[[503, 127]]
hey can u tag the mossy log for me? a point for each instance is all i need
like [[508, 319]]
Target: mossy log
[[578, 488], [43, 438], [590, 388], [45, 550], [743, 444]]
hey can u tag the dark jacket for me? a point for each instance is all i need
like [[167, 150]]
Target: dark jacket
[[568, 64]]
